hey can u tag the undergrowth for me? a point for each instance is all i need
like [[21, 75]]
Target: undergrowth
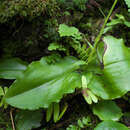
[[64, 64]]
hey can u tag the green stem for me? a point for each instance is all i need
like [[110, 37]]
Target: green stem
[[102, 12], [101, 31], [90, 45], [106, 20]]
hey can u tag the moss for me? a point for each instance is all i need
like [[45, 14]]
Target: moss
[[21, 8]]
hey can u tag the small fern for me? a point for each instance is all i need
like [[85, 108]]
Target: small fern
[[56, 46], [82, 50], [53, 58], [82, 123]]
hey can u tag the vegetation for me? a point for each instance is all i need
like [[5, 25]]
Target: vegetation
[[64, 64]]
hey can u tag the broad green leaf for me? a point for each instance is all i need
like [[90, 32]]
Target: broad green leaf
[[44, 83], [110, 125], [12, 68], [113, 80], [107, 110], [26, 120]]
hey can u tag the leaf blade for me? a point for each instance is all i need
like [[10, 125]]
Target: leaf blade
[[110, 125], [12, 68], [43, 84], [113, 79], [107, 110]]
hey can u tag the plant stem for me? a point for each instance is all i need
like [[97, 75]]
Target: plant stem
[[106, 20], [101, 31], [12, 120]]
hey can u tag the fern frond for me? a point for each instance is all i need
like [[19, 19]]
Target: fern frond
[[82, 51]]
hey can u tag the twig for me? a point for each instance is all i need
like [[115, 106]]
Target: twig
[[12, 121]]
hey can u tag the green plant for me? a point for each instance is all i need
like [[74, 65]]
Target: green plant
[[87, 93], [3, 91], [120, 20], [45, 76], [26, 120], [55, 110], [107, 110], [109, 113], [128, 4], [56, 46], [100, 73], [23, 8], [110, 125], [80, 4], [81, 124], [74, 41]]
